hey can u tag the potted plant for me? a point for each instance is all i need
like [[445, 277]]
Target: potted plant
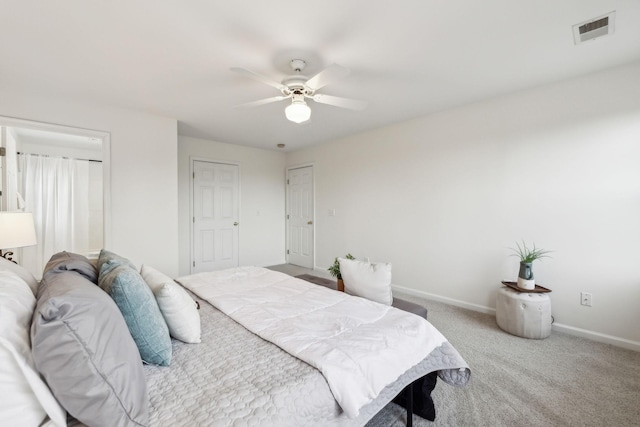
[[334, 270], [527, 256]]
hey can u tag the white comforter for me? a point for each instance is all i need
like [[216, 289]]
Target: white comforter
[[359, 346]]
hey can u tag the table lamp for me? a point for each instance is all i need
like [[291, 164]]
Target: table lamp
[[16, 231]]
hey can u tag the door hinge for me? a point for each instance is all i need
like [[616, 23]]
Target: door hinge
[[3, 151], [287, 216], [287, 251], [194, 263], [194, 175], [194, 219], [287, 181]]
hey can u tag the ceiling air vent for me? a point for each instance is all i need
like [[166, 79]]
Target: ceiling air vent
[[594, 28]]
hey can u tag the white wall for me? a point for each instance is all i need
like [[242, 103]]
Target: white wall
[[262, 199], [144, 210], [96, 214], [443, 197]]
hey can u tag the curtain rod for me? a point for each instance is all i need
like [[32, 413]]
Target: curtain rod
[[58, 157]]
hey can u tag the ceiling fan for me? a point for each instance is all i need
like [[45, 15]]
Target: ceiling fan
[[299, 87]]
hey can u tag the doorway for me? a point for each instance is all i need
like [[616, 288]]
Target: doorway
[[61, 175], [300, 216], [215, 216]]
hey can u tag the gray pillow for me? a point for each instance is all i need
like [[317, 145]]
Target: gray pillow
[[83, 349], [72, 262], [140, 311]]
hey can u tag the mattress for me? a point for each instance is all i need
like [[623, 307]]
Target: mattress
[[360, 346], [235, 378]]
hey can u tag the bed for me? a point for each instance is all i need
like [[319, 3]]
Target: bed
[[231, 377]]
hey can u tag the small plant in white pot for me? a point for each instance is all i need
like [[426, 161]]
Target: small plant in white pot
[[527, 256]]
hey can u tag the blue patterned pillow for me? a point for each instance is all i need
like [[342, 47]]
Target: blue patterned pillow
[[109, 265], [140, 311], [115, 259]]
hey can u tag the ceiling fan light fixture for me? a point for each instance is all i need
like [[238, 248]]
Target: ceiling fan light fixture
[[299, 87], [298, 111]]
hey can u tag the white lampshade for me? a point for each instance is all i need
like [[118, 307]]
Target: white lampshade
[[17, 230], [298, 111]]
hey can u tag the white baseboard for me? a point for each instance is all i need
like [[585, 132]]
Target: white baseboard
[[583, 333], [597, 336], [446, 300]]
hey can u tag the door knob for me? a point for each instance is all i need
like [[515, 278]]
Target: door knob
[[235, 223], [309, 222]]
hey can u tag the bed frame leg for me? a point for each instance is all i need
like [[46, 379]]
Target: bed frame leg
[[416, 398], [409, 391]]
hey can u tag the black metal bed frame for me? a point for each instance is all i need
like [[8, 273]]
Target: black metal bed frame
[[416, 398]]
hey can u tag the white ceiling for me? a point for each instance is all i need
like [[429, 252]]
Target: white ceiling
[[407, 58]]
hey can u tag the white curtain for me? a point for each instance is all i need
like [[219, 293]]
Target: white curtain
[[56, 191]]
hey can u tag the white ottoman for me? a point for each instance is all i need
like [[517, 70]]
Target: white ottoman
[[524, 314]]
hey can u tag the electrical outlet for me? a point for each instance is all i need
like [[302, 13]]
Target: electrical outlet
[[585, 298]]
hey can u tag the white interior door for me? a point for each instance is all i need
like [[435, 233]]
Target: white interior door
[[300, 216], [215, 216]]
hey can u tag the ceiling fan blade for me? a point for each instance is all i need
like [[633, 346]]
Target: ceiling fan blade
[[352, 104], [258, 77], [261, 102], [331, 73]]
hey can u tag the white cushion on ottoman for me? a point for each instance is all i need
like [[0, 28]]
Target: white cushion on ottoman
[[523, 314]]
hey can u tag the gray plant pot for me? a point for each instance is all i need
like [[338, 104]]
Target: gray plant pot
[[525, 276]]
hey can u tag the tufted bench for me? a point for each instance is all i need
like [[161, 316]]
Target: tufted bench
[[398, 303]]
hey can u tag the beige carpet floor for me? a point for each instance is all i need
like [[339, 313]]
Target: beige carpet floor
[[562, 380]]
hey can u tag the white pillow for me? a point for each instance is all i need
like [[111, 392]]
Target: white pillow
[[366, 280], [180, 311], [22, 272], [26, 399]]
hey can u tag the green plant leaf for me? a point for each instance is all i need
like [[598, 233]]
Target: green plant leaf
[[334, 270], [527, 254]]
